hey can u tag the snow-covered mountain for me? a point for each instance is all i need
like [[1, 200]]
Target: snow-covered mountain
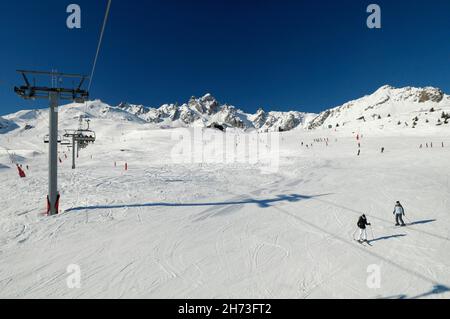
[[389, 108], [207, 111]]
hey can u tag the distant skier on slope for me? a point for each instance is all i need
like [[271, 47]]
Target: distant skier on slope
[[362, 223], [399, 212]]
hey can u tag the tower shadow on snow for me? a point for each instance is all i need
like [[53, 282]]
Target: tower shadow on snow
[[436, 290], [262, 203]]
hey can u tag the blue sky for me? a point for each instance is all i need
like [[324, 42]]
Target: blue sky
[[277, 54]]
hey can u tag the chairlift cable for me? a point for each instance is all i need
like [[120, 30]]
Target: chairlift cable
[[99, 43]]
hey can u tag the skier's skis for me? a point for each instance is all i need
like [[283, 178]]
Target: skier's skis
[[363, 242]]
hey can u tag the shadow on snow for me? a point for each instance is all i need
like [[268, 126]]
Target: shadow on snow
[[262, 203], [421, 222], [436, 290], [387, 237]]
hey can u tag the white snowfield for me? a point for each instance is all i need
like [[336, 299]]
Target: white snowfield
[[225, 230]]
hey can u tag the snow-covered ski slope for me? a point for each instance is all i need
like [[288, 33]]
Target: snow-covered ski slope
[[225, 230]]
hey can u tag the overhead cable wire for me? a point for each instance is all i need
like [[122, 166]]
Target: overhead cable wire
[[99, 43]]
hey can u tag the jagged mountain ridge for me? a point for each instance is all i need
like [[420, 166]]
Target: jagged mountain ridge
[[407, 107], [206, 111]]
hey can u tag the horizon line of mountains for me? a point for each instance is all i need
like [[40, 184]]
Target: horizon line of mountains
[[405, 107]]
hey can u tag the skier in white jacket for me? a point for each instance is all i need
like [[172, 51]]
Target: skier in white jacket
[[399, 212]]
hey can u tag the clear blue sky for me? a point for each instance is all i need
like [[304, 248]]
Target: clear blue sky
[[282, 55]]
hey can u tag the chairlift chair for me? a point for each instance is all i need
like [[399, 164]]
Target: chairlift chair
[[87, 136]]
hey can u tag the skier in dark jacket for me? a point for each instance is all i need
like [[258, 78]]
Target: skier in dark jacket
[[399, 212], [362, 223]]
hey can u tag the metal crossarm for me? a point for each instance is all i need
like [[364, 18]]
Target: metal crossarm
[[29, 91]]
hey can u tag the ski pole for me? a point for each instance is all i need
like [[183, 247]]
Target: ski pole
[[407, 219], [371, 229], [354, 234]]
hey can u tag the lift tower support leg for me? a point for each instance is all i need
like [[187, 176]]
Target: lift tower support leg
[[73, 152], [53, 154]]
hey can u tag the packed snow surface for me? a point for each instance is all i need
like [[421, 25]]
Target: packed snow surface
[[165, 229]]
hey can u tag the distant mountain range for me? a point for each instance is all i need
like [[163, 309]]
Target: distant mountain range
[[207, 111], [387, 108]]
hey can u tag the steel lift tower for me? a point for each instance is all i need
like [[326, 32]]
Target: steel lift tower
[[54, 94], [81, 138]]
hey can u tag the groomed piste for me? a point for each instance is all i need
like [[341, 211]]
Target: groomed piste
[[165, 229]]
